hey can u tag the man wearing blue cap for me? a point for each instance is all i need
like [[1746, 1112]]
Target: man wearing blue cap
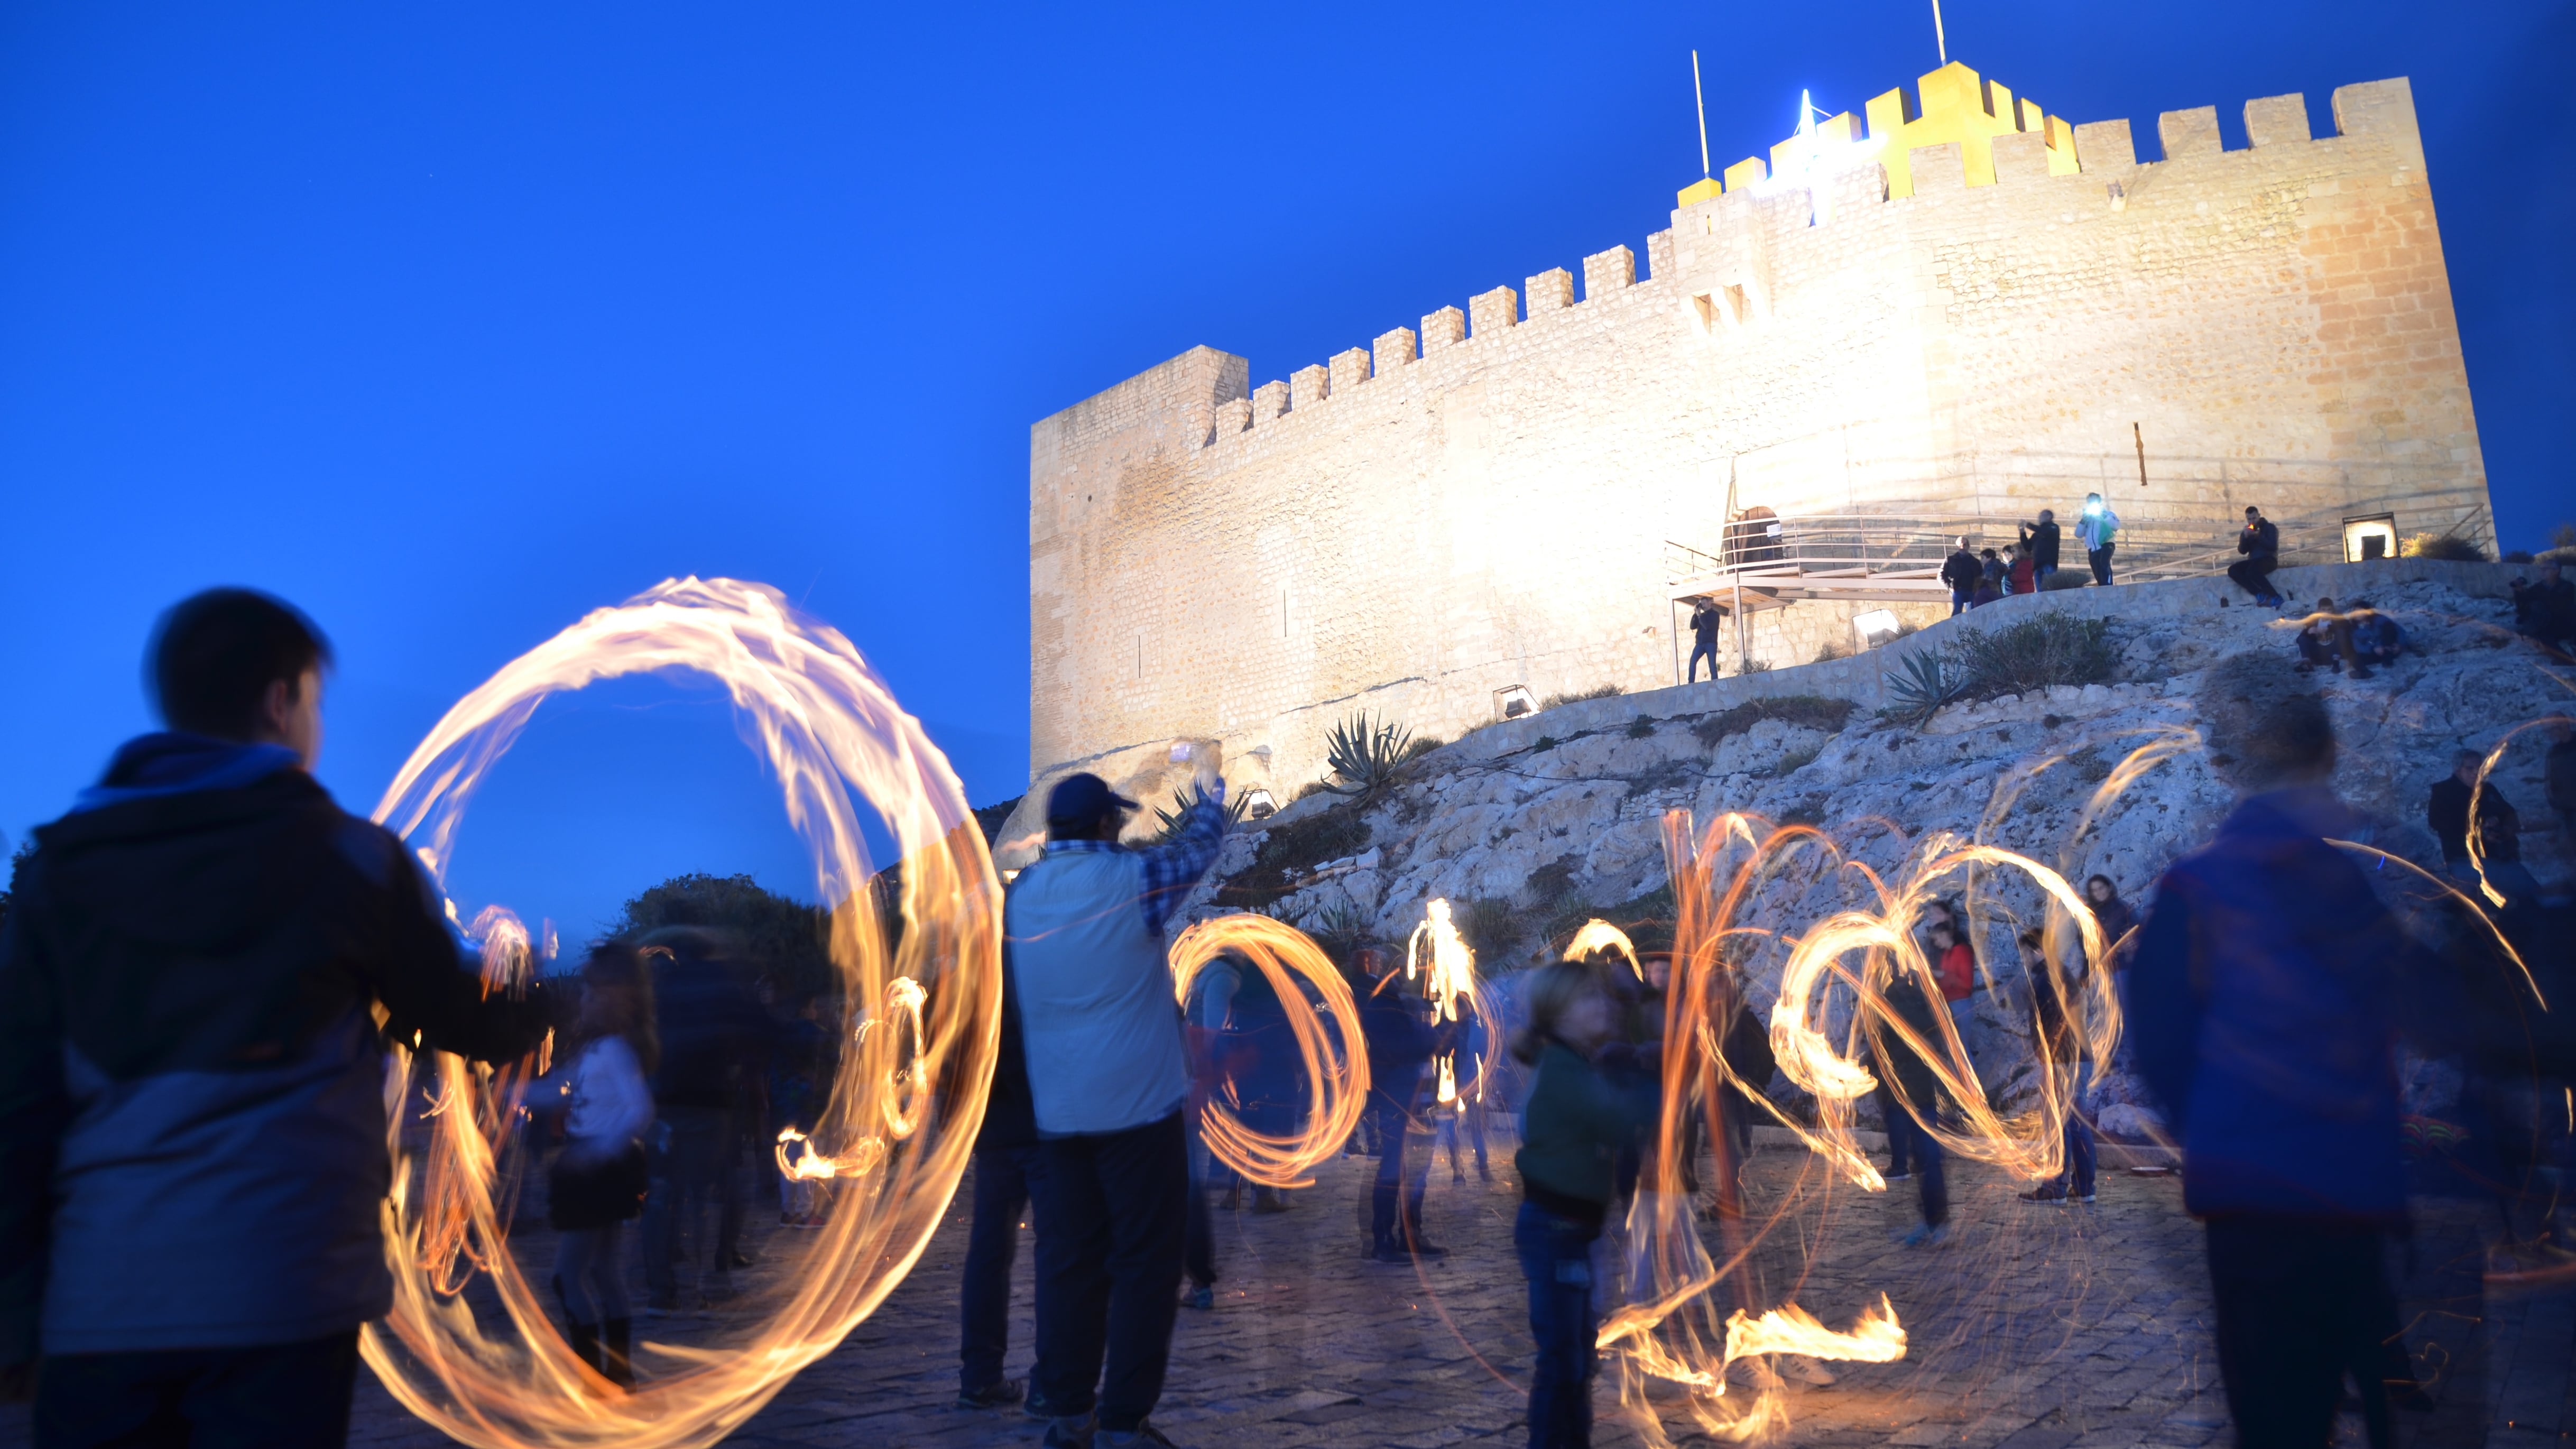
[[1109, 1083]]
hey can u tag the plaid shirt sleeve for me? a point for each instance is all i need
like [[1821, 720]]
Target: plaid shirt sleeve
[[1170, 870]]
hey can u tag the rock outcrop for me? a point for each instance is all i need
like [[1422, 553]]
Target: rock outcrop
[[1543, 820]]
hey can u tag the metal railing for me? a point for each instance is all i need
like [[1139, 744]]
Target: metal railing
[[1896, 556]]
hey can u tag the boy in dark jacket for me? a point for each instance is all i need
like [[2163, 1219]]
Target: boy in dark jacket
[[192, 1113], [1962, 572], [2262, 1003], [2260, 543]]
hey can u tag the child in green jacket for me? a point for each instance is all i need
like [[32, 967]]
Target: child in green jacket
[[1579, 1114]]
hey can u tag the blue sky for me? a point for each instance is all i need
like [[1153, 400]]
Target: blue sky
[[451, 323]]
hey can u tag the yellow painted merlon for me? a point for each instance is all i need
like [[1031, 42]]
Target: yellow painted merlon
[[1839, 130], [1960, 107], [1704, 189], [1748, 172]]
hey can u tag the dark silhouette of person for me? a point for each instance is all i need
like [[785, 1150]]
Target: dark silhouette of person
[[1705, 617], [192, 1103], [2041, 542], [1963, 572], [2264, 1003], [2260, 543]]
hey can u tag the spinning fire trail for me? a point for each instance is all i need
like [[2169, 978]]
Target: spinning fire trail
[[900, 1117]]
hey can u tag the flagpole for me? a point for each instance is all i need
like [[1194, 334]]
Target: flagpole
[[1700, 100]]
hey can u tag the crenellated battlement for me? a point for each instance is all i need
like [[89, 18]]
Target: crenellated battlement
[[1956, 131]]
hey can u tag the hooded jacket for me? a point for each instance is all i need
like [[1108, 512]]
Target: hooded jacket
[[192, 1116]]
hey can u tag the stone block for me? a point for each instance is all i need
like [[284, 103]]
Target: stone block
[[1349, 369], [2273, 120], [1444, 328], [1937, 168], [1551, 291], [1491, 312], [1393, 350], [2105, 146], [1659, 254], [2375, 108], [1308, 386], [1607, 272], [2189, 133], [2021, 156], [1268, 401]]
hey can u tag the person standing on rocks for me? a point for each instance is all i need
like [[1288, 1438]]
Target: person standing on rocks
[[2114, 916], [1109, 1084], [1962, 572], [192, 1108], [2040, 541], [1705, 617], [2263, 1009], [2099, 531], [2260, 543]]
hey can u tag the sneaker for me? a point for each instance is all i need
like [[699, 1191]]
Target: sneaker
[[1925, 1235], [1896, 1176], [1389, 1253], [1145, 1434], [1036, 1407], [1071, 1431], [999, 1394], [2080, 1197], [1202, 1297], [2047, 1193]]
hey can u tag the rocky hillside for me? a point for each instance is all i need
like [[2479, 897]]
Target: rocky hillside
[[1530, 827]]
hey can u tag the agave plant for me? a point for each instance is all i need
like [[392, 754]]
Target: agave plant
[[1363, 758], [1927, 682], [1178, 812]]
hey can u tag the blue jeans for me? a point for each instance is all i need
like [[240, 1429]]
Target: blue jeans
[[2079, 1136], [1926, 1154], [2100, 558], [1396, 1177], [1704, 649], [1959, 602], [984, 1293], [1556, 1258], [2039, 576]]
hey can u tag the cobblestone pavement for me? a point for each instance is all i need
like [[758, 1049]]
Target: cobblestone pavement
[[2034, 1327]]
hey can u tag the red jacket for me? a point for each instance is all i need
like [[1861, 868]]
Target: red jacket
[[1958, 972]]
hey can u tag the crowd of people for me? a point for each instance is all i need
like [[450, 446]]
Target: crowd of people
[[192, 1121], [1979, 576]]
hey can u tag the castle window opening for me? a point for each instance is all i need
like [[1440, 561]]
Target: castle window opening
[[1735, 305], [1513, 701], [2372, 537]]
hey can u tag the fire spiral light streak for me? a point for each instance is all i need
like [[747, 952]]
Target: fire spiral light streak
[[1338, 1070], [919, 963], [1675, 1325], [1450, 979]]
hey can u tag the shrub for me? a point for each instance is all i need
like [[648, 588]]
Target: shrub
[[1927, 681], [1604, 691], [1178, 811], [1289, 851], [1641, 728], [1794, 761], [2442, 546], [2035, 653], [1831, 652], [1365, 758], [1490, 927], [1422, 745], [1753, 666], [1815, 711]]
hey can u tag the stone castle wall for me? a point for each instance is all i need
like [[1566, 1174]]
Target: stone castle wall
[[1484, 502]]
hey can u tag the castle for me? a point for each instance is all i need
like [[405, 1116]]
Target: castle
[[1964, 309]]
